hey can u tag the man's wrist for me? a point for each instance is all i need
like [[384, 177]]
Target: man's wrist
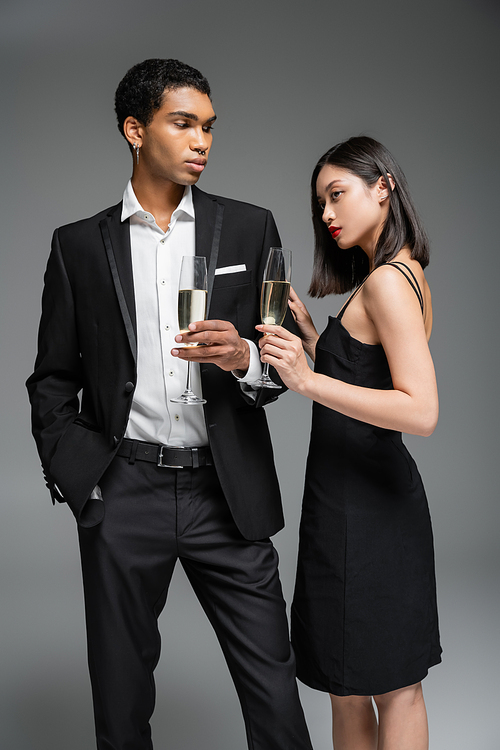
[[244, 361], [251, 368]]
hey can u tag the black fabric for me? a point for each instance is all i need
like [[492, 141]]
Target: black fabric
[[87, 342], [81, 392], [153, 517], [129, 325], [364, 615], [214, 254]]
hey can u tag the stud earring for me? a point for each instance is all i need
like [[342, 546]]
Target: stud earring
[[136, 149]]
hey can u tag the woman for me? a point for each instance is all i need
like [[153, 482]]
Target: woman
[[364, 617]]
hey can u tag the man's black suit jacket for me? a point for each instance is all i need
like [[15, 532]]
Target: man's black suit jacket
[[83, 383]]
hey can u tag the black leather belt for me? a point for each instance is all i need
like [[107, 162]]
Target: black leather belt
[[165, 456]]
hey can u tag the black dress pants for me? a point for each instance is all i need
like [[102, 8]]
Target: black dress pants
[[154, 516]]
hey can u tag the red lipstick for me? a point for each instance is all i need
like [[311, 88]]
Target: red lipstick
[[334, 231]]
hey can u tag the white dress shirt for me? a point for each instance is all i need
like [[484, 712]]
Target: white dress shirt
[[156, 264]]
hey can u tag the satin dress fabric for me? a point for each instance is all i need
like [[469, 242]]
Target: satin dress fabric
[[364, 614]]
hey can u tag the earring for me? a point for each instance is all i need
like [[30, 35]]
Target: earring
[[136, 149]]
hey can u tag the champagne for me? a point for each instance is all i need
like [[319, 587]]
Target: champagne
[[274, 301], [274, 298], [192, 306]]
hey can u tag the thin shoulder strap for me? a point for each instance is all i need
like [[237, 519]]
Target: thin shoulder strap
[[350, 299], [414, 284], [396, 263]]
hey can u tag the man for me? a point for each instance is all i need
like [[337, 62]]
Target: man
[[150, 481]]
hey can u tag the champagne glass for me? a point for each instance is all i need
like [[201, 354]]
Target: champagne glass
[[274, 297], [191, 308]]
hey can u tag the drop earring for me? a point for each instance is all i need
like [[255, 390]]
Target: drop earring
[[136, 149]]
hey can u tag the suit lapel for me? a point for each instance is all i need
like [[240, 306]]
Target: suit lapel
[[208, 217], [116, 238]]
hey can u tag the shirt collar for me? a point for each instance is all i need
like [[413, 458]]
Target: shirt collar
[[131, 205]]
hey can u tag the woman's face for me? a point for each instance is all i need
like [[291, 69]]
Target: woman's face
[[353, 212]]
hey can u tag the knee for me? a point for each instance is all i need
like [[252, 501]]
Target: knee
[[350, 704], [407, 696]]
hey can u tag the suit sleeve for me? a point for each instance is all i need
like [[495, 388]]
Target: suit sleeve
[[57, 378]]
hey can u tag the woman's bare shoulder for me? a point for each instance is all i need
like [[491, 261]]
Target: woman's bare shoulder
[[385, 282], [391, 292]]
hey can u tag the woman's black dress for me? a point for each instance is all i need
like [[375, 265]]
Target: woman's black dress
[[364, 615]]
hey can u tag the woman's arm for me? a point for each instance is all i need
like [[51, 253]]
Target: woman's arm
[[412, 406]]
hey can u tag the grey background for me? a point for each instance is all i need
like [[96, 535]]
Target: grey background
[[289, 80]]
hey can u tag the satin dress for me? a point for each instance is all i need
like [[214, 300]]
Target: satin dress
[[364, 614]]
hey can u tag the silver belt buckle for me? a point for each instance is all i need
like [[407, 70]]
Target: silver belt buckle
[[160, 460]]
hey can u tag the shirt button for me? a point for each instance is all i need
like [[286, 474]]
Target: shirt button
[[167, 328], [176, 417], [146, 217], [162, 242], [163, 282], [171, 373]]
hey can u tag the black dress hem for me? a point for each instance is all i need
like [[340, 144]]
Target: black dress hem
[[336, 689]]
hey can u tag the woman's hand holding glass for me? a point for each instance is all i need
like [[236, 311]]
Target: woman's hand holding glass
[[274, 298], [284, 351]]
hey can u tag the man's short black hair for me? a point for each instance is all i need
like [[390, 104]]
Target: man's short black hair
[[140, 92]]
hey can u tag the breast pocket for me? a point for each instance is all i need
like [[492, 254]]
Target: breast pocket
[[231, 295]]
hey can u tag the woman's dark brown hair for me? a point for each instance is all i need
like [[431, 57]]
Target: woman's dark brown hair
[[337, 271]]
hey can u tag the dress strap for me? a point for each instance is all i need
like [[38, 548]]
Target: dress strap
[[396, 263], [414, 284], [350, 299]]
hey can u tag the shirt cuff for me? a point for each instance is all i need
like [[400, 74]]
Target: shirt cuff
[[255, 366]]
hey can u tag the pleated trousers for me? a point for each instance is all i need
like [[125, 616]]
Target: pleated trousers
[[153, 517]]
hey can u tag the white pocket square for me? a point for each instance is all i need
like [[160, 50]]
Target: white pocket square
[[230, 269]]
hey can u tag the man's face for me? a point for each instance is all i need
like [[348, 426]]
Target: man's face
[[174, 141]]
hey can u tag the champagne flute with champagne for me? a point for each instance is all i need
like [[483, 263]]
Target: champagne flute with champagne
[[191, 308], [274, 298]]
